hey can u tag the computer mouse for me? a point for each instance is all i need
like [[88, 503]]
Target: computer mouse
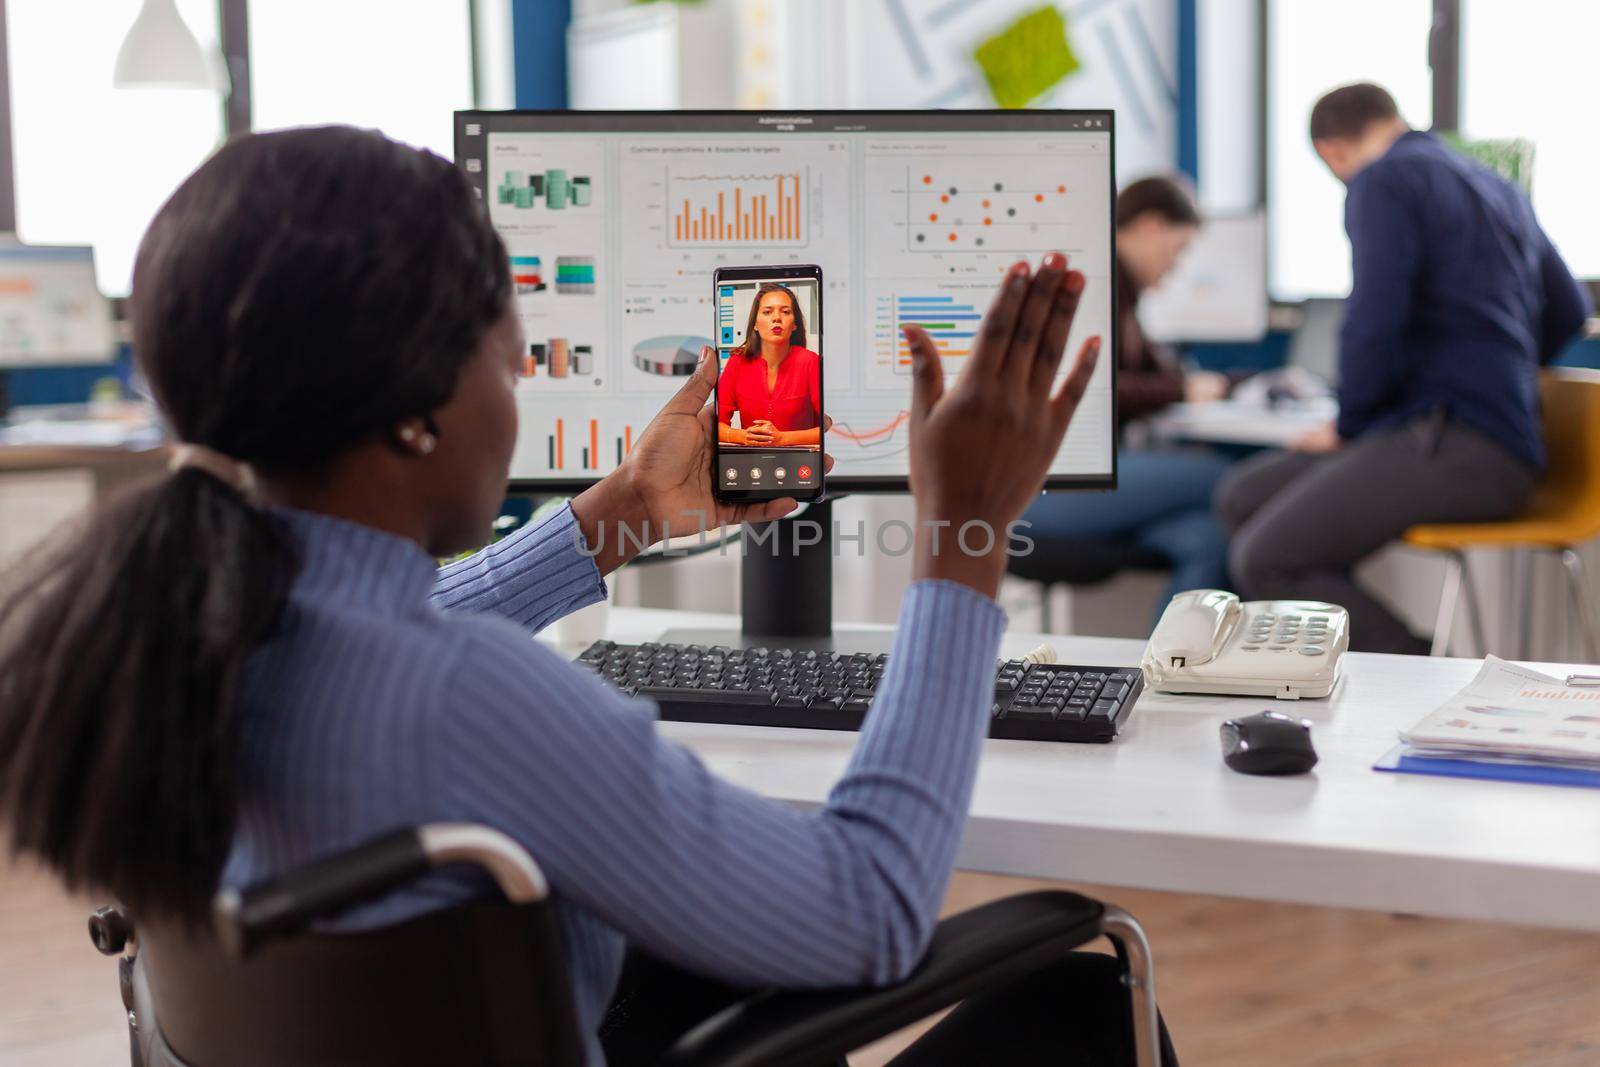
[[1268, 743]]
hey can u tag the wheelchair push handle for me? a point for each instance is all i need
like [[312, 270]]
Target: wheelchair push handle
[[110, 930]]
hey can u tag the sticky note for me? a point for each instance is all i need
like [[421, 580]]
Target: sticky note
[[1028, 58]]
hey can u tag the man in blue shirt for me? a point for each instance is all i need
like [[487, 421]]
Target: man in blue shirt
[[1457, 298]]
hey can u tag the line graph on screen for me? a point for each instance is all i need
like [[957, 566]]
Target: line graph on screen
[[867, 437]]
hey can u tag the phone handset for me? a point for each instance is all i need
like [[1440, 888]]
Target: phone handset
[[1194, 628]]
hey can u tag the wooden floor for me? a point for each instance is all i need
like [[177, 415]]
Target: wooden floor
[[1242, 984]]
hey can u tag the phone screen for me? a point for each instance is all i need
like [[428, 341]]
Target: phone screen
[[768, 434]]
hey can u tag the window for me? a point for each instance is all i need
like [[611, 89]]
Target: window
[[402, 68], [1312, 48], [94, 163], [1528, 71]]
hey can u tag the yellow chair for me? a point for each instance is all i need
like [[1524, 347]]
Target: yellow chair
[[1564, 513]]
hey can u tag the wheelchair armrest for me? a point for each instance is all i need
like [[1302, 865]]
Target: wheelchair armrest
[[975, 950], [246, 919]]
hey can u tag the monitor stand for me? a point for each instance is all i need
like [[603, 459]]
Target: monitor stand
[[786, 592]]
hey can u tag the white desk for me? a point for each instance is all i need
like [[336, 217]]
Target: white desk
[[1157, 809], [1232, 423]]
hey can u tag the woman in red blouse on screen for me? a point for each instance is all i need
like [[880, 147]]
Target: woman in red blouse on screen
[[773, 380]]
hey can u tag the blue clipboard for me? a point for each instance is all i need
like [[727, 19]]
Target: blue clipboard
[[1397, 761]]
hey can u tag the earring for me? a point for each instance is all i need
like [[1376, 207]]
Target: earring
[[427, 444], [408, 434]]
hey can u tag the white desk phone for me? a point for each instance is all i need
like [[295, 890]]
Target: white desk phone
[[1209, 642]]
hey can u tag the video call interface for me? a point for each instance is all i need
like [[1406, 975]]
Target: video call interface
[[769, 422], [615, 223]]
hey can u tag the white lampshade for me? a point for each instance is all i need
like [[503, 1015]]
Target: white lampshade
[[160, 52]]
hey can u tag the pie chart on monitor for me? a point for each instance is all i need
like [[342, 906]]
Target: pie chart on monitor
[[675, 356]]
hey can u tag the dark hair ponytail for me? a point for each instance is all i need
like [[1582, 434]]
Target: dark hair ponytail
[[117, 735], [301, 292]]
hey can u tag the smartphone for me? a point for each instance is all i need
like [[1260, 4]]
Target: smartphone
[[767, 437]]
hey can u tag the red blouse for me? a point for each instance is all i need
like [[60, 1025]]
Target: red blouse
[[794, 403]]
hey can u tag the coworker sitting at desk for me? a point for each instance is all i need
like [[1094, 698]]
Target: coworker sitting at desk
[[1457, 297], [1163, 495], [772, 380], [256, 662]]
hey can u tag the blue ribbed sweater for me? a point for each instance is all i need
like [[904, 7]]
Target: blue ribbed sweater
[[396, 694]]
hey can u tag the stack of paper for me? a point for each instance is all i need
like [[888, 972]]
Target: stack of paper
[[1511, 712], [1509, 722]]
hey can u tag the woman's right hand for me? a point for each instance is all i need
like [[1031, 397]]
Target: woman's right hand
[[761, 432], [980, 451]]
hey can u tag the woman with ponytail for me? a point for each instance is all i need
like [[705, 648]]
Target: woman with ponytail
[[256, 662]]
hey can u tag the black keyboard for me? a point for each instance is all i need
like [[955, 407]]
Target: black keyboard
[[834, 690]]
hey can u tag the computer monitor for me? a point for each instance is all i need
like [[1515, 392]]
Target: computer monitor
[[51, 309], [614, 222], [1217, 291]]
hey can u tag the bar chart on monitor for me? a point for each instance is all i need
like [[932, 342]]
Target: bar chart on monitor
[[949, 313], [767, 208], [577, 446], [951, 321]]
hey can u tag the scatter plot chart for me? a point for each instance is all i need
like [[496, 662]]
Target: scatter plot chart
[[961, 207]]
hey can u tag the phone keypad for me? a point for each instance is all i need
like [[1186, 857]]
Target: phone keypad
[[1306, 634]]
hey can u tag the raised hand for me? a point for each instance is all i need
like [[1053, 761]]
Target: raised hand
[[980, 450]]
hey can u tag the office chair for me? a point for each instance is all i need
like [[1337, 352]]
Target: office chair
[[1564, 513], [485, 983], [1075, 562]]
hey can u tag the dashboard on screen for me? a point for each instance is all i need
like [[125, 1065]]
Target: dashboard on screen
[[615, 221]]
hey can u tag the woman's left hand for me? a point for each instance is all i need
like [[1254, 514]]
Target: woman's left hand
[[663, 487]]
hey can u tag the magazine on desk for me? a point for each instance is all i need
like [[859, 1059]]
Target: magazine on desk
[[1510, 714]]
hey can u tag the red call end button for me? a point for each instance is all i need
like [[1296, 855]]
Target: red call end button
[[804, 472]]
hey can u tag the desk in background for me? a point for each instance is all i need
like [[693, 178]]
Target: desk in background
[[53, 467], [1228, 422], [1158, 810]]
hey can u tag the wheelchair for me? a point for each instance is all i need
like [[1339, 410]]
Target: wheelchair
[[485, 982]]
